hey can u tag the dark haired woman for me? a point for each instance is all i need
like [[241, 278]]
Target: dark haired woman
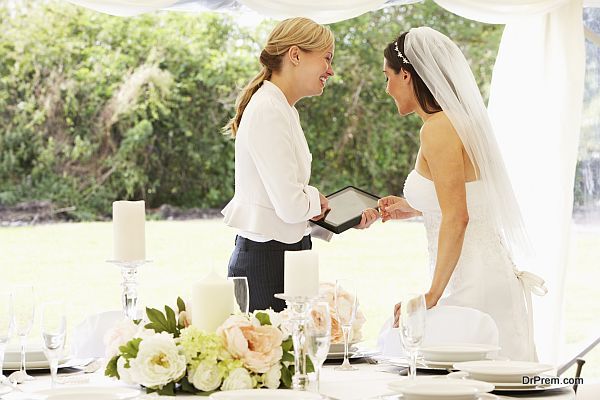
[[273, 201], [460, 187]]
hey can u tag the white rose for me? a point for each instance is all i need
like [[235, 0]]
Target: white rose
[[124, 373], [116, 337], [158, 362], [206, 377], [273, 376], [238, 379]]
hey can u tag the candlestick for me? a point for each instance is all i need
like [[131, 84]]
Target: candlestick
[[129, 235], [129, 296], [301, 273], [212, 302]]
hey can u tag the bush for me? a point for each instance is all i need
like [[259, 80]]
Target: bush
[[97, 108]]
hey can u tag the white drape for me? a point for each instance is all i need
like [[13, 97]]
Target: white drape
[[322, 11]]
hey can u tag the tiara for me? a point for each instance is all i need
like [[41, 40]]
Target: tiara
[[400, 55]]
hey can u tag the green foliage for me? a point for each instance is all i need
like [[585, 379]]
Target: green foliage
[[96, 108], [111, 368], [160, 322], [263, 318], [130, 350]]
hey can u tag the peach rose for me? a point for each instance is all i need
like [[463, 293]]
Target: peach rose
[[258, 347]]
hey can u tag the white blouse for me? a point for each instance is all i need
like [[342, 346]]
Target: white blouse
[[272, 199]]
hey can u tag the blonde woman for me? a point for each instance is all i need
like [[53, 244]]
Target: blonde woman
[[273, 201]]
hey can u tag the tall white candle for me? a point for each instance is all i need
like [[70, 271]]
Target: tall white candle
[[301, 273], [129, 218], [212, 302]]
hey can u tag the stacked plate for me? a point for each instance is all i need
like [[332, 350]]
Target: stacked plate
[[446, 355], [512, 376], [336, 351], [442, 388], [34, 359]]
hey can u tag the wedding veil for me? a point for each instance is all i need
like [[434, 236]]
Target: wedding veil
[[444, 69]]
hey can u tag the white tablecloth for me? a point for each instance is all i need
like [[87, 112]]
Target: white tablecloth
[[369, 382]]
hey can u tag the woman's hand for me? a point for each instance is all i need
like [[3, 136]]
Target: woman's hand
[[324, 207], [431, 300], [369, 216], [394, 207]]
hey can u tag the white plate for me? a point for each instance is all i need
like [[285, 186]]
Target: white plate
[[430, 381], [501, 371], [31, 354], [13, 366], [89, 393], [457, 352], [259, 394], [339, 347], [339, 355]]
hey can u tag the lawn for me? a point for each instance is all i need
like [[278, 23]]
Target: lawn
[[67, 261]]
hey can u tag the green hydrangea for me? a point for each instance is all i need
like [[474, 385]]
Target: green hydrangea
[[198, 346]]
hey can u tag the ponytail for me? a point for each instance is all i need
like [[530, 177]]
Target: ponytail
[[243, 99]]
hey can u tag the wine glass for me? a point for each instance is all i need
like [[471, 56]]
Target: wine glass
[[345, 310], [54, 329], [412, 327], [318, 335], [24, 311], [6, 325], [241, 292]]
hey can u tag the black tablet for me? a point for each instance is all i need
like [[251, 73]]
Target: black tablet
[[346, 206]]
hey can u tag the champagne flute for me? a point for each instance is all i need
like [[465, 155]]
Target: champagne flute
[[24, 311], [318, 335], [241, 293], [345, 309], [412, 327], [6, 325], [54, 328]]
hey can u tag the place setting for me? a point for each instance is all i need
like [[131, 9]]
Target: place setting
[[510, 377]]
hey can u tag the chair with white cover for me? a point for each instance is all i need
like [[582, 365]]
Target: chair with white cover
[[444, 325]]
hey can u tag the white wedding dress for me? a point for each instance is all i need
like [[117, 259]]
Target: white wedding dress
[[485, 282]]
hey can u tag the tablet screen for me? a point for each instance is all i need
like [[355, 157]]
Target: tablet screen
[[347, 204]]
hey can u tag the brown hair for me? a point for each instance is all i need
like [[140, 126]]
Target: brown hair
[[301, 32], [426, 100]]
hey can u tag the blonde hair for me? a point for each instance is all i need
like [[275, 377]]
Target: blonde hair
[[301, 32]]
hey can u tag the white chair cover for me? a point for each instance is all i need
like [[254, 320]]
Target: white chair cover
[[444, 325]]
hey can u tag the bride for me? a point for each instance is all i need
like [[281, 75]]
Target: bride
[[460, 187]]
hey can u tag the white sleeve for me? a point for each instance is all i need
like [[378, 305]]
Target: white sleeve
[[271, 149]]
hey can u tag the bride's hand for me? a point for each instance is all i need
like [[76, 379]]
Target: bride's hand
[[396, 315], [394, 207], [431, 300], [369, 216]]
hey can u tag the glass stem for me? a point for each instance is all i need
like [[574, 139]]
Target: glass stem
[[346, 332], [2, 349], [318, 368], [54, 371], [413, 364], [23, 343]]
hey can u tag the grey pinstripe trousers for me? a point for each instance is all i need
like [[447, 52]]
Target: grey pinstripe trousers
[[262, 265]]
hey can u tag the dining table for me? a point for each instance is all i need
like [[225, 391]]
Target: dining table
[[367, 382]]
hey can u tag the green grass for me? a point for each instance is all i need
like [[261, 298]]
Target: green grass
[[67, 261]]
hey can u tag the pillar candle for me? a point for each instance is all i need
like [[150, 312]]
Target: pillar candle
[[301, 273], [212, 302], [129, 219]]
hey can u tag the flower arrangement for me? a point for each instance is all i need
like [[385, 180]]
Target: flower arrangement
[[168, 354]]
